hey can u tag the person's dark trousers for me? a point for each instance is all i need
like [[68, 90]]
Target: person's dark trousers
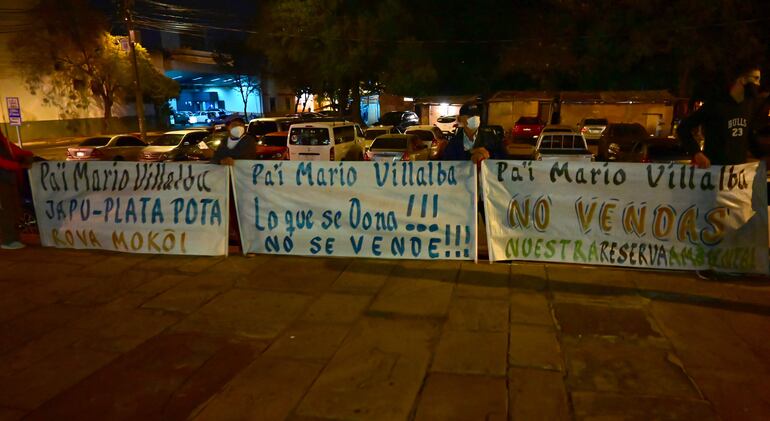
[[9, 211]]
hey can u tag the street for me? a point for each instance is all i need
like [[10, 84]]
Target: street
[[99, 335]]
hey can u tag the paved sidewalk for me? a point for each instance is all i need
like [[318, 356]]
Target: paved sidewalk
[[97, 335]]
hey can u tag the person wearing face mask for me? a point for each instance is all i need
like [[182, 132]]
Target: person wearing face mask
[[726, 123], [470, 143], [239, 144]]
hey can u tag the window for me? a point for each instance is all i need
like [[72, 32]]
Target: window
[[95, 141], [567, 141], [344, 134], [372, 133], [272, 140], [595, 122], [129, 141], [309, 136], [194, 138], [168, 139], [261, 128], [391, 143], [424, 135]]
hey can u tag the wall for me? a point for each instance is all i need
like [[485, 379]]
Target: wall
[[644, 114], [506, 113], [234, 101]]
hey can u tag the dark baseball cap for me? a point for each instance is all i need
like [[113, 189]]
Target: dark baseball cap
[[470, 109], [236, 118]]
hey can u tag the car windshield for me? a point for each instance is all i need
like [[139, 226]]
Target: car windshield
[[391, 118], [273, 140], [261, 128], [595, 122], [562, 142], [422, 134], [390, 143], [630, 130], [95, 141], [168, 139], [309, 136], [371, 134], [447, 119], [528, 120]]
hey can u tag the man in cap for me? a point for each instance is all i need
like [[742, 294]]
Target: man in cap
[[469, 142], [239, 144]]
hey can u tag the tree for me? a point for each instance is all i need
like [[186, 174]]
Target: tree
[[244, 65], [73, 60]]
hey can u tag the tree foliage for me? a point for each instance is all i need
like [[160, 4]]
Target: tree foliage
[[73, 61]]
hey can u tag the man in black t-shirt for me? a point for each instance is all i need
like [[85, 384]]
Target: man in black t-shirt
[[726, 123]]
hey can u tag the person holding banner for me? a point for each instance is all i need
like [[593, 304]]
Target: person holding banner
[[470, 143], [239, 145], [726, 123], [13, 162]]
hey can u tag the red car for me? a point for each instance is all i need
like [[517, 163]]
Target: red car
[[528, 128], [273, 146]]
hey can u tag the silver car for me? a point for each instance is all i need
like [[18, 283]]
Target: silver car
[[592, 128], [107, 148]]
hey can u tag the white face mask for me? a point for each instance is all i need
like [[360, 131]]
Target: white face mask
[[473, 122], [237, 131]]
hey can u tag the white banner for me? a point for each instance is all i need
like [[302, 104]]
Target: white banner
[[666, 216], [157, 208], [404, 210]]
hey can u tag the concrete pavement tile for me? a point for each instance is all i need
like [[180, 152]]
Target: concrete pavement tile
[[308, 341], [56, 288], [241, 265], [583, 320], [12, 307], [530, 308], [704, 338], [337, 308], [615, 366], [129, 329], [268, 389], [746, 326], [364, 276], [416, 297], [164, 378], [297, 274], [614, 300], [17, 332], [190, 294], [753, 294], [537, 395], [471, 353], [198, 264], [377, 372], [735, 395], [111, 287], [684, 285], [247, 313], [29, 388], [27, 271], [40, 348], [435, 270], [159, 285], [460, 397], [602, 406], [570, 275], [118, 263], [483, 280], [472, 314], [528, 276], [8, 414], [534, 346]]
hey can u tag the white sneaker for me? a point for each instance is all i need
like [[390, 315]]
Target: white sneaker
[[15, 245]]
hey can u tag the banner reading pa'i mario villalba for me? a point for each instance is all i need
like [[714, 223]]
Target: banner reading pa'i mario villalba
[[158, 208], [666, 216]]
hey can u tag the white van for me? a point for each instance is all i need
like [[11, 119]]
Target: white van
[[326, 141]]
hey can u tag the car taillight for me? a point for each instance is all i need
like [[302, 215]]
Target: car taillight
[[367, 156], [405, 156], [331, 154], [584, 129], [69, 154], [434, 144]]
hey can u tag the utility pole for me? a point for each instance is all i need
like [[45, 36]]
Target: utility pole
[[137, 82]]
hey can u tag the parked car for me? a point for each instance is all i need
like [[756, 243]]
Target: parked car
[[181, 118], [373, 132], [400, 119], [617, 140], [174, 145], [326, 141], [273, 146], [107, 148], [447, 124], [592, 128], [433, 138], [563, 146], [397, 147], [528, 128], [205, 117], [658, 150], [551, 128], [204, 150], [259, 127]]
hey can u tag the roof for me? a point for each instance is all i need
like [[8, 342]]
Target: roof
[[509, 96], [617, 97], [421, 127], [446, 99]]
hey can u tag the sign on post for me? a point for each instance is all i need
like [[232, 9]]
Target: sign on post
[[132, 207], [388, 210], [14, 110], [665, 216]]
